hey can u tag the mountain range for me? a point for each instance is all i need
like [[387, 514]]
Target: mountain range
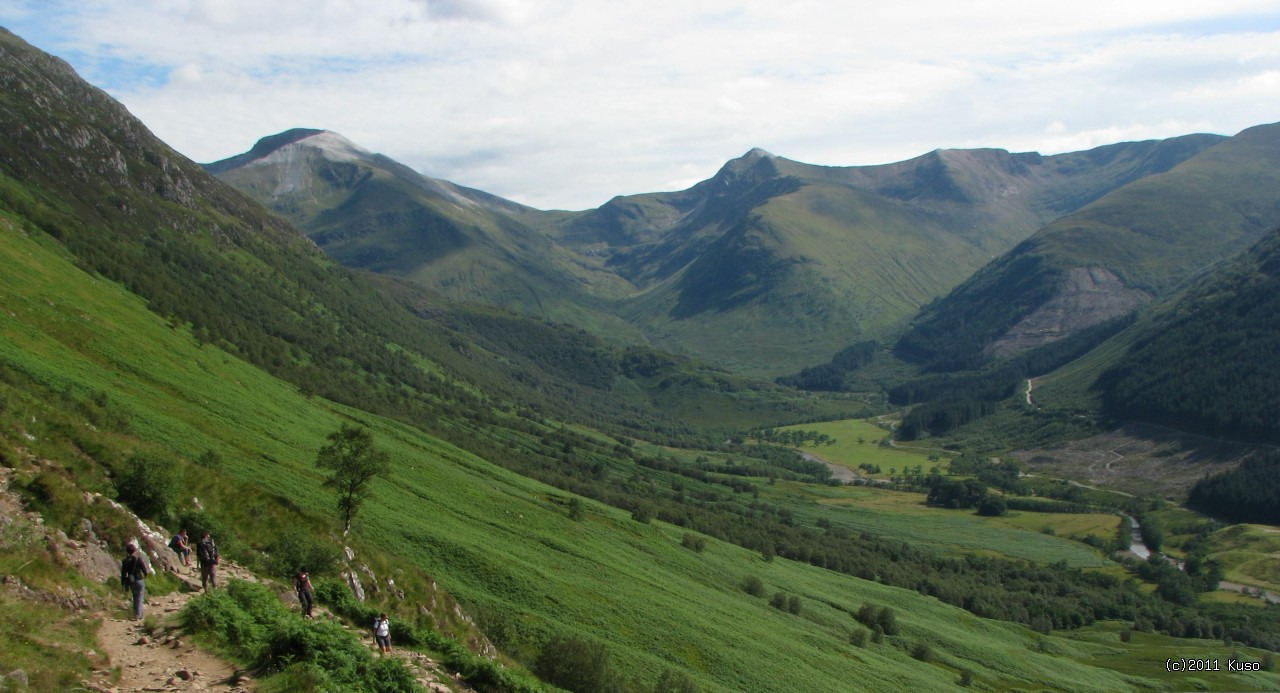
[[814, 256], [1135, 244], [596, 505]]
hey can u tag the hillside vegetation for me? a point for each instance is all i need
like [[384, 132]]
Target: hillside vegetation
[[805, 253], [166, 343], [506, 546], [1140, 241], [1210, 362]]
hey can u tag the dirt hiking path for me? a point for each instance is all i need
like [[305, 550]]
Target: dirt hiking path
[[164, 660]]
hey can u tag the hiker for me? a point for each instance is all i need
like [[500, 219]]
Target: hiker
[[382, 633], [182, 547], [302, 584], [207, 557], [133, 573]]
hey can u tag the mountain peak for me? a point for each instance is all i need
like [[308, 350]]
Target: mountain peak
[[330, 144], [755, 165], [335, 147]]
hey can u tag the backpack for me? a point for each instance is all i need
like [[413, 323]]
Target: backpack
[[132, 570], [207, 552]]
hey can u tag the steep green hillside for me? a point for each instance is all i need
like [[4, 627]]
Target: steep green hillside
[[1104, 261], [132, 210], [505, 545], [160, 316], [1210, 362]]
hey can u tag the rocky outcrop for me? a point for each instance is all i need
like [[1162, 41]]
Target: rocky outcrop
[[1086, 297]]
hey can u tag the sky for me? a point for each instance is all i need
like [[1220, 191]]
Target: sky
[[563, 104]]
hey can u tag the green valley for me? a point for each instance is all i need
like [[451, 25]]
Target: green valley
[[589, 486]]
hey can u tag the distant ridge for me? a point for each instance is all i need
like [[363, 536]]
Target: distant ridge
[[1134, 244], [814, 256]]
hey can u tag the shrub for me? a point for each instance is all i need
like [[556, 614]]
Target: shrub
[[867, 614], [674, 682], [966, 678], [210, 459], [779, 601], [218, 614], [295, 548], [148, 485], [753, 586], [335, 594], [252, 623], [993, 506], [302, 676], [1041, 624], [858, 637], [693, 542], [61, 503], [922, 651], [576, 665], [887, 621], [877, 634], [793, 605], [197, 522]]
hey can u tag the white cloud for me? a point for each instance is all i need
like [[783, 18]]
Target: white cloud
[[564, 103]]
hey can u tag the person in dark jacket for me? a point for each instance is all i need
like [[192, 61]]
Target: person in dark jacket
[[133, 575], [207, 557], [302, 583]]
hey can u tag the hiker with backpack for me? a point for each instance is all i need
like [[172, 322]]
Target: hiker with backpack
[[302, 584], [133, 575], [182, 547], [207, 557], [382, 633]]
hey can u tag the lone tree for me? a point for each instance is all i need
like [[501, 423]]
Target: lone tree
[[352, 461]]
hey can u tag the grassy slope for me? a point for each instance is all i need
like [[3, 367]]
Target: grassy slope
[[842, 263], [377, 215], [497, 540], [1153, 234]]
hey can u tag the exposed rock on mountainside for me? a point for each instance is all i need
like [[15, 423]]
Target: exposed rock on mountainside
[[1087, 296], [1149, 236]]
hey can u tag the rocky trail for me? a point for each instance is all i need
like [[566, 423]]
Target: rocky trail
[[153, 654], [162, 659]]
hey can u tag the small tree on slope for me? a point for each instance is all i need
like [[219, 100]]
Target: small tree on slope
[[352, 462]]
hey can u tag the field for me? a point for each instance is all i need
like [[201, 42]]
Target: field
[[904, 516], [505, 546], [857, 441], [1250, 554]]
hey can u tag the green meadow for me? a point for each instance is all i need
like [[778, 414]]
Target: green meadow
[[857, 441], [505, 546], [904, 515], [1250, 554]]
